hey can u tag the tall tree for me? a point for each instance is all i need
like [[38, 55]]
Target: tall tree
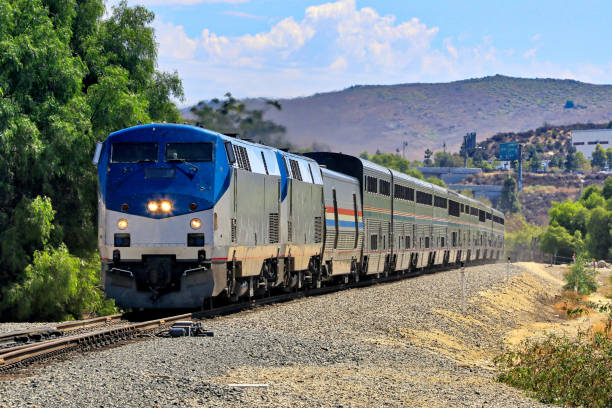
[[232, 116], [599, 237], [427, 157], [571, 163], [598, 157], [509, 202], [68, 78]]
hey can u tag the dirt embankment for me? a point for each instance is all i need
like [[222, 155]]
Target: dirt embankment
[[529, 306]]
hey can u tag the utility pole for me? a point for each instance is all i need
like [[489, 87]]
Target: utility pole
[[404, 145]]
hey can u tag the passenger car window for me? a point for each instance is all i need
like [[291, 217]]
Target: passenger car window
[[190, 152], [133, 152]]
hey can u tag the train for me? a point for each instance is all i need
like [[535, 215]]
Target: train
[[186, 215]]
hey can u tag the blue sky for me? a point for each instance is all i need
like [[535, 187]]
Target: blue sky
[[291, 48]]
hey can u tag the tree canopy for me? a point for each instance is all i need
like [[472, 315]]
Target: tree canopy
[[581, 226], [598, 157], [69, 77], [509, 202], [231, 116]]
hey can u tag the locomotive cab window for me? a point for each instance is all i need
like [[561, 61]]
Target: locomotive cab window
[[133, 152], [190, 152]]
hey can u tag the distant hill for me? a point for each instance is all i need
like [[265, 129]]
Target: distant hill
[[426, 115]]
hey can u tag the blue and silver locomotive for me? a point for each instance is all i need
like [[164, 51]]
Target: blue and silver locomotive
[[187, 214]]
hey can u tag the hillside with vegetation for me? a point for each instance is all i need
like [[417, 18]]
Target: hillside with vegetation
[[425, 116]]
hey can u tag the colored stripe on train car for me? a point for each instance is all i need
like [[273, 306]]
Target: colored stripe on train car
[[343, 211], [342, 223]]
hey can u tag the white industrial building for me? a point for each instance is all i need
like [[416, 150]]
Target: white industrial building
[[585, 141]]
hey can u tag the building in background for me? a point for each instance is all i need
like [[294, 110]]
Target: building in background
[[585, 141]]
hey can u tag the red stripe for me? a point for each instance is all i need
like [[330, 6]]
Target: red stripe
[[343, 211], [219, 259]]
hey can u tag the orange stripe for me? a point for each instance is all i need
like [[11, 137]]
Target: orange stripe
[[343, 211]]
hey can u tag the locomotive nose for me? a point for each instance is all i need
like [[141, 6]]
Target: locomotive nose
[[159, 272]]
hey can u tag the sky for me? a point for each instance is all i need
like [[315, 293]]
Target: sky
[[291, 48]]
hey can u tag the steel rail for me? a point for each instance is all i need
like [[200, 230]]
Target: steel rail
[[38, 334]]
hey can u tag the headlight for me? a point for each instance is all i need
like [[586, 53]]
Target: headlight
[[165, 206], [152, 206], [195, 223], [122, 224]]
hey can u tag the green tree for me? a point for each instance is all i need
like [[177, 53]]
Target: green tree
[[607, 188], [571, 162], [522, 243], [556, 161], [509, 202], [427, 155], [436, 181], [232, 116], [583, 164], [446, 159], [598, 157], [609, 157], [68, 78], [580, 278], [594, 200], [535, 164], [393, 162], [557, 241], [570, 215], [599, 236], [58, 286]]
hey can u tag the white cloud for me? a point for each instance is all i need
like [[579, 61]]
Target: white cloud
[[339, 64], [450, 48], [530, 53], [536, 37], [242, 14], [334, 46], [173, 41]]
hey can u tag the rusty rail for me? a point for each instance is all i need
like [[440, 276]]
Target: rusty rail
[[27, 353]]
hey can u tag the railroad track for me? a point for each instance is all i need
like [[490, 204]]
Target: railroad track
[[56, 342], [21, 337]]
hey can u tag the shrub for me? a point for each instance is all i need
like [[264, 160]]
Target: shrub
[[581, 279], [58, 286], [561, 370]]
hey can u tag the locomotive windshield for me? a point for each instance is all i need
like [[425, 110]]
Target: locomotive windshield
[[133, 152], [190, 152]]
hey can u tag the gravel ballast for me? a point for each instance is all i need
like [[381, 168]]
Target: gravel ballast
[[399, 344]]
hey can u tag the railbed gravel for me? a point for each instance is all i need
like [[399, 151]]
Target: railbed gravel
[[337, 350]]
